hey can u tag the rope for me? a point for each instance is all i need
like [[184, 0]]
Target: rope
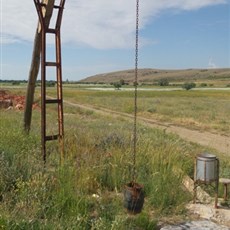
[[135, 94]]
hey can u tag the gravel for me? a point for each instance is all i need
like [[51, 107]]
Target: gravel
[[196, 225]]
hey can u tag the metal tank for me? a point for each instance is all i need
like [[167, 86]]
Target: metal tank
[[206, 172], [206, 168]]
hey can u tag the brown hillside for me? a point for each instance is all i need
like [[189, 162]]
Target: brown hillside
[[153, 75]]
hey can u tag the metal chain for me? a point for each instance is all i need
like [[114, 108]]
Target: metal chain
[[135, 94]]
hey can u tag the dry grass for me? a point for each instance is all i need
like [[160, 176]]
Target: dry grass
[[204, 110], [149, 76], [86, 192]]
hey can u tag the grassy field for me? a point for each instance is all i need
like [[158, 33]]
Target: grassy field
[[196, 109], [86, 192], [212, 77]]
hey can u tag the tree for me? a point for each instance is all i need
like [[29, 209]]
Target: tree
[[163, 82], [35, 64], [50, 83], [117, 85], [122, 82], [188, 85]]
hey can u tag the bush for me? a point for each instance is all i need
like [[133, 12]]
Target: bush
[[188, 85], [203, 85], [16, 83], [117, 85], [152, 110], [163, 82], [122, 82], [50, 83]]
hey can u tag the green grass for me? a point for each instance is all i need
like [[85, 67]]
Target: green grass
[[98, 162], [204, 110], [86, 192]]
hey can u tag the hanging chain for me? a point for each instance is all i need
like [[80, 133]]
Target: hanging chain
[[135, 94]]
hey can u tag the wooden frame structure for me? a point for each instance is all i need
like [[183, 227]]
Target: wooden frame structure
[[44, 65]]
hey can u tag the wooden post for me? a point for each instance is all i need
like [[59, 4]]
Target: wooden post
[[35, 64]]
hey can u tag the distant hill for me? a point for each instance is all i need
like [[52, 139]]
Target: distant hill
[[150, 76]]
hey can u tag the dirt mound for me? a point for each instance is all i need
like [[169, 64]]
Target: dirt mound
[[12, 101]]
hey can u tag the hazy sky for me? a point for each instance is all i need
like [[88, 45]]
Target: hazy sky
[[98, 36]]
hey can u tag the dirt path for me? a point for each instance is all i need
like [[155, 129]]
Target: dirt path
[[216, 141]]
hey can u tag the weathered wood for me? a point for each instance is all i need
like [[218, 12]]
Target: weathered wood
[[35, 65], [225, 182]]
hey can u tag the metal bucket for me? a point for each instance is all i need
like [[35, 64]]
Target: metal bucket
[[206, 168], [133, 197]]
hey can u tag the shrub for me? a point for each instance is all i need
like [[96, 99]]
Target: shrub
[[122, 82], [163, 82], [152, 110], [117, 85], [16, 83], [188, 85], [50, 83], [203, 84]]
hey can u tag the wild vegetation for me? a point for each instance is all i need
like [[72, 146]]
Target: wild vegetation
[[204, 110], [86, 192], [165, 77], [149, 77]]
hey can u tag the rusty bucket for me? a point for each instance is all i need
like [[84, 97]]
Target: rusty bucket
[[133, 197]]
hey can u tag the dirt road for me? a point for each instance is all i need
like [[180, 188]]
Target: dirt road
[[216, 141]]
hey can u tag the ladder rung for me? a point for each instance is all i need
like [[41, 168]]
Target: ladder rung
[[57, 7], [51, 64], [43, 4], [52, 31], [51, 138], [53, 101]]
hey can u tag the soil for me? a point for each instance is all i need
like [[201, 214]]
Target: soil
[[12, 101]]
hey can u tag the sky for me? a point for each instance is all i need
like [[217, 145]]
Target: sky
[[98, 36]]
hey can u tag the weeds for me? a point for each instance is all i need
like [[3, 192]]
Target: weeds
[[208, 110], [86, 192]]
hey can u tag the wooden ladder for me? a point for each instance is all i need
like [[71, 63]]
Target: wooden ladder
[[41, 7]]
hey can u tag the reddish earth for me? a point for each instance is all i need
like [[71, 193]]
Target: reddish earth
[[12, 101]]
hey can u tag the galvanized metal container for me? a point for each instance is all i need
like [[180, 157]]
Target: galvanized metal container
[[206, 168], [206, 172]]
